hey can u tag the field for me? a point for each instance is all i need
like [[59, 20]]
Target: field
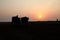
[[46, 30]]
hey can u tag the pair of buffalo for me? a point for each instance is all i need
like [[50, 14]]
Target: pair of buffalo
[[16, 19]]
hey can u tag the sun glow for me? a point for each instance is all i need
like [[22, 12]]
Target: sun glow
[[40, 16]]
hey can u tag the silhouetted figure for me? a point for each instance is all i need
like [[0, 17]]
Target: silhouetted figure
[[15, 20], [24, 19], [57, 19]]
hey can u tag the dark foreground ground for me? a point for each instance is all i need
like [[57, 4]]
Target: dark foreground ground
[[30, 31]]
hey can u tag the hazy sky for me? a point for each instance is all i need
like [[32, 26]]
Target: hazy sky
[[34, 9]]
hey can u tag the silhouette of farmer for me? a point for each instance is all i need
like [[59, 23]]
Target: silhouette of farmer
[[24, 19], [15, 20]]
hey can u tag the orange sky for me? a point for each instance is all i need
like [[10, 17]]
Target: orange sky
[[42, 10]]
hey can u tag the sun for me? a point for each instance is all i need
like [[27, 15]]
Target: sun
[[40, 16]]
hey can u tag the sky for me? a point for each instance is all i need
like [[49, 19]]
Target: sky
[[36, 10]]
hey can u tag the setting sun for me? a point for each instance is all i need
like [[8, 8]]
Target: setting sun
[[40, 16]]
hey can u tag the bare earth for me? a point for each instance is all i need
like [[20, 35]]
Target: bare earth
[[30, 31]]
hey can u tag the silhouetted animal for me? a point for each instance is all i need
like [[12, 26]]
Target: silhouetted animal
[[24, 19], [15, 20]]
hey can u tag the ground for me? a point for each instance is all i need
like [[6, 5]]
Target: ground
[[30, 31]]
